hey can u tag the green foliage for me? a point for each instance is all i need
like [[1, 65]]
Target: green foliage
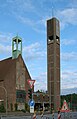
[[27, 107], [70, 99], [16, 106], [23, 110], [2, 108], [11, 106]]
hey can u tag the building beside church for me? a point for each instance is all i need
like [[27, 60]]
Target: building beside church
[[53, 62], [13, 77], [41, 101]]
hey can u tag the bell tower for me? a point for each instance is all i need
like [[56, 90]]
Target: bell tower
[[16, 47], [53, 62]]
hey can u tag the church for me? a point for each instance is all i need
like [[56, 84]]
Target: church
[[13, 78], [14, 73]]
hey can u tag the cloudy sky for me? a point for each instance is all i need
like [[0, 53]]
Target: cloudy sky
[[27, 18]]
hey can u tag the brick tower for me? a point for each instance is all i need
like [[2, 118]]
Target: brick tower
[[53, 62]]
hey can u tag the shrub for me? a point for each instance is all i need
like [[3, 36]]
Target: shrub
[[2, 108], [11, 106], [16, 106]]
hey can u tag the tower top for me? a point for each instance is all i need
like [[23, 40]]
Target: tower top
[[53, 29], [16, 46], [53, 19]]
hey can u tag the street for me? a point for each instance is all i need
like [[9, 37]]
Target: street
[[70, 115]]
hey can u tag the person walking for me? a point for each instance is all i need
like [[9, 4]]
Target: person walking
[[59, 115], [53, 114], [34, 116], [42, 115]]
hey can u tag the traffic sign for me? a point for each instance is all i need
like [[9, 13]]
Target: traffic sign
[[31, 103], [65, 107], [31, 109], [31, 83]]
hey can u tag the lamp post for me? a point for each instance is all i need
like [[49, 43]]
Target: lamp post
[[6, 96]]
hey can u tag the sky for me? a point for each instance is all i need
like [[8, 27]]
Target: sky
[[28, 19]]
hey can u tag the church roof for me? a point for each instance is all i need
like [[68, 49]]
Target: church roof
[[5, 66]]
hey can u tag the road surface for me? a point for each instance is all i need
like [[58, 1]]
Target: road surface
[[71, 115]]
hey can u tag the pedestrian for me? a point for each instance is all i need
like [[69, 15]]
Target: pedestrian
[[34, 116], [42, 115], [53, 114], [59, 115]]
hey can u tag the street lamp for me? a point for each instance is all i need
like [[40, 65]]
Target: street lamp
[[6, 96]]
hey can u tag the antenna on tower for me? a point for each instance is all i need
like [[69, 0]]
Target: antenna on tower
[[52, 9], [17, 34], [52, 12]]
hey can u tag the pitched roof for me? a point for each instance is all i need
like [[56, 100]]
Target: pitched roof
[[5, 67]]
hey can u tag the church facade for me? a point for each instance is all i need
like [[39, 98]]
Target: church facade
[[13, 77]]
